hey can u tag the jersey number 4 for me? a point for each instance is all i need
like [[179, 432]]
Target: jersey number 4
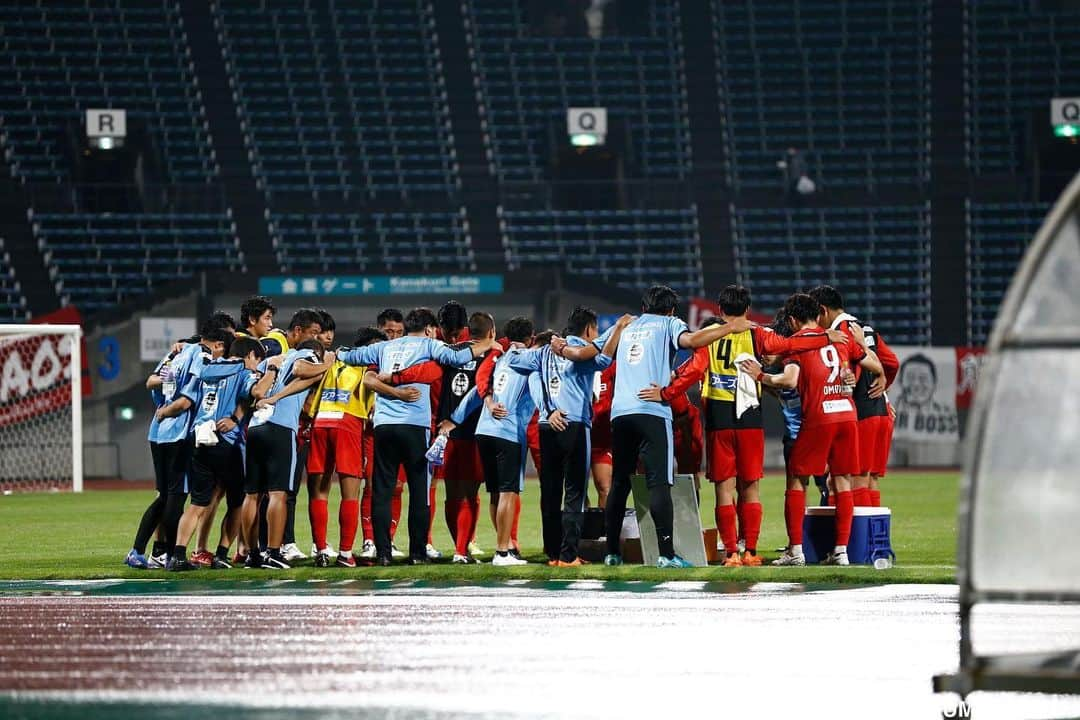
[[831, 358], [723, 352]]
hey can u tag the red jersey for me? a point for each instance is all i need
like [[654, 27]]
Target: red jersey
[[826, 399]]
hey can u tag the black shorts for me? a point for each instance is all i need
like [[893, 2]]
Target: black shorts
[[271, 459], [220, 465], [504, 464], [172, 461]]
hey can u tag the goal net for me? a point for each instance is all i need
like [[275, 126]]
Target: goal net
[[40, 408]]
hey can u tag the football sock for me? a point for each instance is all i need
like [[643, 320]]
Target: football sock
[[318, 514], [794, 509], [222, 553], [725, 521], [752, 513], [365, 513], [147, 525], [861, 497], [158, 548], [875, 498], [289, 537], [845, 510], [431, 510], [180, 552], [348, 518]]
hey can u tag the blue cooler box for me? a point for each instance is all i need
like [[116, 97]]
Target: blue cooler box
[[870, 529]]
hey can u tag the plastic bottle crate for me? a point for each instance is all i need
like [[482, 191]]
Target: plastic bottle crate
[[870, 534]]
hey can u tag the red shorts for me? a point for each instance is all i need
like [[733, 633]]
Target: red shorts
[[461, 461], [601, 456], [601, 432], [875, 440], [738, 454], [689, 445], [834, 446], [337, 447]]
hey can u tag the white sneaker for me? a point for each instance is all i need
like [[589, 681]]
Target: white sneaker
[[475, 551], [462, 560], [835, 558], [790, 558], [290, 552], [741, 546], [432, 553], [720, 548], [395, 553], [157, 561], [368, 550], [505, 560], [328, 550]]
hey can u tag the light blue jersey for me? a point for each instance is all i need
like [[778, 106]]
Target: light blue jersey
[[179, 374], [511, 388], [646, 355], [396, 355], [286, 411], [564, 384], [791, 406], [536, 392], [224, 383]]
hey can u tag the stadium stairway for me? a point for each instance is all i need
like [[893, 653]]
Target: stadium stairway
[[468, 127], [706, 127], [19, 241], [241, 192]]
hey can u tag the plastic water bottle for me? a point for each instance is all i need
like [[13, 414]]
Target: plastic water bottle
[[437, 450], [882, 563]]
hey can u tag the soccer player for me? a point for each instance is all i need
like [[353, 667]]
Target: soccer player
[[603, 389], [257, 316], [875, 416], [220, 397], [500, 435], [566, 406], [392, 322], [641, 429], [271, 444], [462, 469], [170, 448], [736, 441], [829, 433], [402, 428]]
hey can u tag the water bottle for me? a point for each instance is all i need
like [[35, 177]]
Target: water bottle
[[882, 563], [437, 450]]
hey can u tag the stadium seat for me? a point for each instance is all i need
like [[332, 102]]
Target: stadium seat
[[627, 248], [879, 257], [97, 260], [846, 83], [998, 234]]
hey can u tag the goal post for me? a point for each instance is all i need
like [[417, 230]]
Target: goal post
[[41, 408]]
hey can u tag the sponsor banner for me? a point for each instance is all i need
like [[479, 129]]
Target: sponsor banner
[[158, 334], [924, 395], [70, 315], [380, 284], [35, 371]]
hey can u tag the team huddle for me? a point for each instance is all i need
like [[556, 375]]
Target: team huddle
[[245, 412]]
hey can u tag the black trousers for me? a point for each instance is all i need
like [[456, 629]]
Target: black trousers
[[397, 446], [647, 437], [564, 471]]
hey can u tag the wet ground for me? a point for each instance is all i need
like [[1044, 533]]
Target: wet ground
[[152, 649]]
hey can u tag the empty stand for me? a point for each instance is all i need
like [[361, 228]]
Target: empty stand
[[628, 248], [99, 260], [527, 82], [62, 57], [340, 242], [1018, 57], [340, 97], [998, 234], [879, 258], [845, 82], [12, 302]]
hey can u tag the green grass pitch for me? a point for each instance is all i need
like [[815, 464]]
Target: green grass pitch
[[85, 536]]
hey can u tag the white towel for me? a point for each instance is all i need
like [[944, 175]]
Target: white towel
[[746, 390], [841, 318], [206, 434]]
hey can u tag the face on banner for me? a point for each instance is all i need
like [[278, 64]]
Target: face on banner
[[924, 395]]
